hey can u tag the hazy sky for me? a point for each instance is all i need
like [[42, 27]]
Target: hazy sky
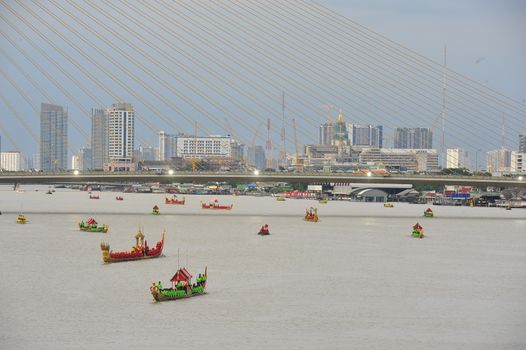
[[485, 38], [485, 41]]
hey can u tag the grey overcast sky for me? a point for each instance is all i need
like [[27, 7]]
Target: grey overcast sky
[[485, 41]]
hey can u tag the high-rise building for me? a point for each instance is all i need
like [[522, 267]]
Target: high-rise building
[[366, 135], [99, 139], [457, 158], [121, 136], [413, 138], [341, 134], [326, 133], [10, 161], [167, 146], [498, 161], [518, 162], [147, 153], [75, 162], [256, 157], [53, 137], [85, 159], [522, 143]]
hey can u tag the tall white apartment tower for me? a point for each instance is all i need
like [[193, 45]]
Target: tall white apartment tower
[[456, 158], [121, 136]]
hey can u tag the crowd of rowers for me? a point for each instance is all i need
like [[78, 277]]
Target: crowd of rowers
[[182, 285]]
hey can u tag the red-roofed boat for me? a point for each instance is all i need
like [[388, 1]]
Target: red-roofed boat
[[182, 286], [92, 226], [140, 251], [174, 200]]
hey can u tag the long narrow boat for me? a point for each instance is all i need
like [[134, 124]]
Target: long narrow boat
[[138, 252], [182, 286], [174, 200], [214, 205], [92, 226]]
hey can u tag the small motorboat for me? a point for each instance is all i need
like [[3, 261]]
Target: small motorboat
[[388, 205], [264, 231], [119, 198], [93, 196], [21, 219], [311, 214], [155, 211], [429, 213], [418, 231], [323, 201]]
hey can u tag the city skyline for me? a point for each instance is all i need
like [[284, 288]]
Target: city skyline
[[153, 107]]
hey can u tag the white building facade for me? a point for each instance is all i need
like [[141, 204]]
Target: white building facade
[[167, 146], [121, 136], [518, 162], [10, 161], [498, 161], [214, 146], [402, 159], [457, 158]]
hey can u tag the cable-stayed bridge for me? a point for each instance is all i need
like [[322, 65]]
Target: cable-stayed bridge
[[231, 66]]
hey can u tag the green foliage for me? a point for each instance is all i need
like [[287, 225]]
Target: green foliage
[[456, 171]]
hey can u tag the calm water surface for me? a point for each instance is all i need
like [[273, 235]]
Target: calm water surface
[[353, 280]]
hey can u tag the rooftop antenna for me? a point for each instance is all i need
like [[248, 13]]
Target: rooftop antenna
[[269, 146], [502, 133], [444, 87], [194, 159], [283, 155]]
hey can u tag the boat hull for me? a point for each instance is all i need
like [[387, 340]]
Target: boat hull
[[429, 215], [144, 257], [217, 207], [157, 296], [417, 234], [174, 201]]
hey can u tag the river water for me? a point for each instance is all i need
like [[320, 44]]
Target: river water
[[354, 280]]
